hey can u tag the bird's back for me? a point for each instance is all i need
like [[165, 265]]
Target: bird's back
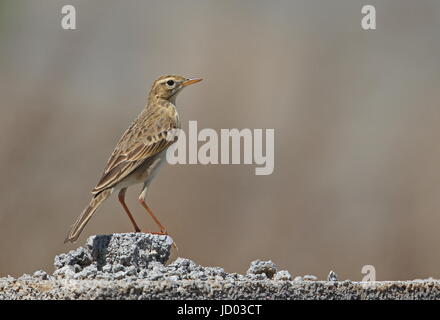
[[145, 138]]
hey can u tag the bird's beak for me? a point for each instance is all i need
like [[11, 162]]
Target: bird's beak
[[190, 81]]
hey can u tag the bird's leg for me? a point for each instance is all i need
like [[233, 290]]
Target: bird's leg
[[121, 198], [143, 204]]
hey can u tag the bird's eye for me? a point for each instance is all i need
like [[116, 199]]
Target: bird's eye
[[170, 83]]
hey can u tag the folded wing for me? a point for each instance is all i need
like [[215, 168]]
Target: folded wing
[[147, 136]]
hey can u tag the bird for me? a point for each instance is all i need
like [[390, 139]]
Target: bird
[[140, 152]]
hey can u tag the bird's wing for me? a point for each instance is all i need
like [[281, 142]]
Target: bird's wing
[[148, 135]]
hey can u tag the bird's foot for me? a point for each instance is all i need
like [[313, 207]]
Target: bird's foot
[[161, 233]]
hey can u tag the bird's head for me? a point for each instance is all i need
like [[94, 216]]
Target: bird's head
[[167, 87]]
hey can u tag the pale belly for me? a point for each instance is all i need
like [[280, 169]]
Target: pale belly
[[145, 173]]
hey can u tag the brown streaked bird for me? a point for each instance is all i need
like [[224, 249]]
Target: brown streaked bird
[[140, 152]]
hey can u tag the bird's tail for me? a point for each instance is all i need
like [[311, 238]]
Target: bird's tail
[[85, 216]]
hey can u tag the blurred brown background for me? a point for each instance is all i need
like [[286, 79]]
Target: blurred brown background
[[356, 116]]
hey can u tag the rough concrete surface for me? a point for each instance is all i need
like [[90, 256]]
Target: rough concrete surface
[[133, 266]]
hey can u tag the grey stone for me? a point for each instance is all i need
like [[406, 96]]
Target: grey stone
[[283, 275], [332, 276], [267, 268], [173, 278], [40, 274], [113, 256], [133, 266]]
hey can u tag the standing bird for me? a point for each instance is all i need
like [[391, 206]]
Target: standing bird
[[140, 152]]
